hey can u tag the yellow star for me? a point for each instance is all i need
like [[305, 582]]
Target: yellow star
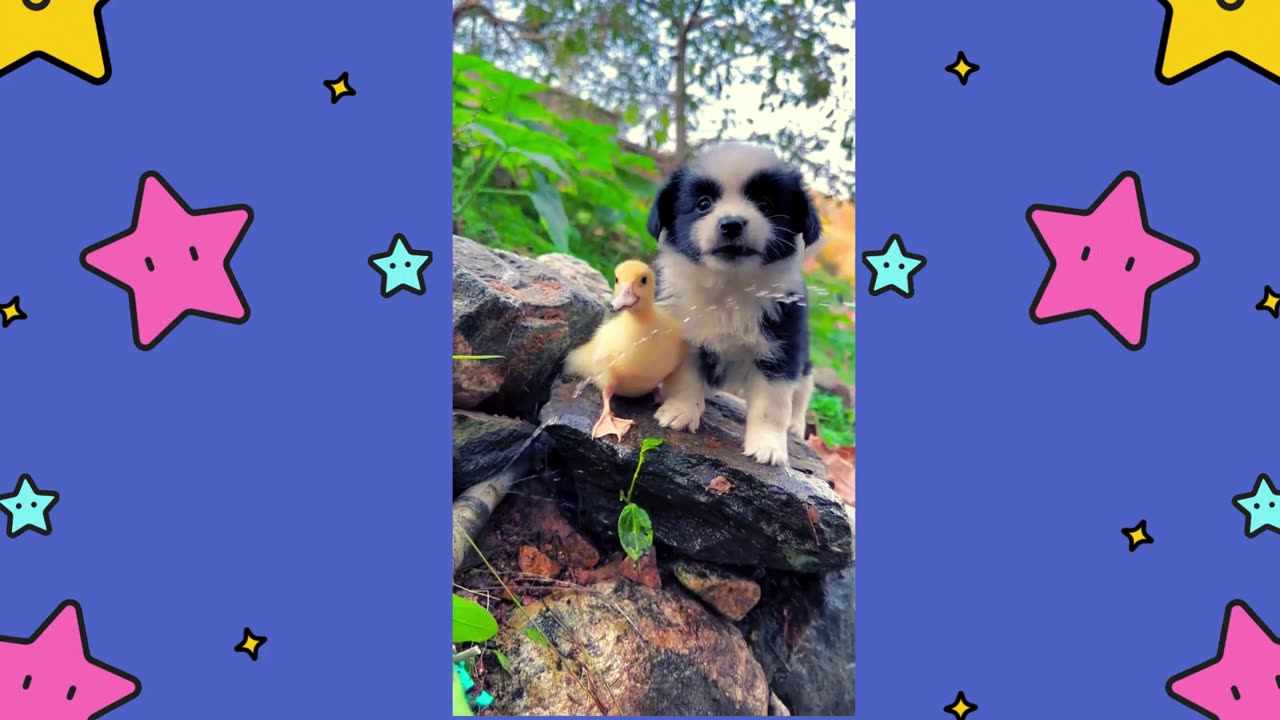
[[250, 643], [1199, 33], [11, 312], [1270, 302], [1137, 535], [962, 68], [960, 707], [340, 87], [67, 33]]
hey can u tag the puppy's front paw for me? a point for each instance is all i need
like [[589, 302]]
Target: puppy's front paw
[[766, 446], [679, 415], [797, 430]]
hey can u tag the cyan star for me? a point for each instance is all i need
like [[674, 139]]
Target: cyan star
[[893, 268], [28, 508], [401, 267], [1260, 506]]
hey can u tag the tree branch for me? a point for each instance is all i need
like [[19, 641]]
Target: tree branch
[[477, 9]]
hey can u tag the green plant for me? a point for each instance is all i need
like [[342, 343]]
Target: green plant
[[833, 339], [460, 704], [471, 622], [836, 423], [529, 180], [635, 529]]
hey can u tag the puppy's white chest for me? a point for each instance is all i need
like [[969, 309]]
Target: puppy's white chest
[[730, 326]]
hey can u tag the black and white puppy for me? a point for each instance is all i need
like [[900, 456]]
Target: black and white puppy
[[734, 226]]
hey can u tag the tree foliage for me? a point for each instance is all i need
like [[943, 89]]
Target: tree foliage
[[658, 62]]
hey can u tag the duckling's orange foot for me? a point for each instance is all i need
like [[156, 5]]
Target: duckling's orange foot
[[610, 425]]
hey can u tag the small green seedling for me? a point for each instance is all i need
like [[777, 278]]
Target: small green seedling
[[635, 529]]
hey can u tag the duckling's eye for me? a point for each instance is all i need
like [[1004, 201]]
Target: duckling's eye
[[704, 204], [644, 280]]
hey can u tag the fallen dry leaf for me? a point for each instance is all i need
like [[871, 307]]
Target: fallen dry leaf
[[719, 485], [841, 464]]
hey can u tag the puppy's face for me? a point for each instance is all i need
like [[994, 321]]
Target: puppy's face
[[735, 205]]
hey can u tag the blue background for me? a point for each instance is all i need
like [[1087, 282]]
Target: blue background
[[276, 474], [999, 458]]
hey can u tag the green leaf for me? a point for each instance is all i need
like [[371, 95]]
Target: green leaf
[[635, 531], [471, 622], [648, 444], [545, 162], [632, 114], [551, 209], [503, 661], [480, 129], [460, 704], [536, 635]]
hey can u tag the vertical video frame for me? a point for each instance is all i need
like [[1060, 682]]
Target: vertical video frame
[[654, 351]]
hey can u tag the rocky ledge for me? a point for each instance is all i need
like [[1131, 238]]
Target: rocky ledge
[[708, 501]]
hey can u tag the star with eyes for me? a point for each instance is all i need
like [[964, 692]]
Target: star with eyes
[[401, 267], [174, 261], [893, 268], [28, 508]]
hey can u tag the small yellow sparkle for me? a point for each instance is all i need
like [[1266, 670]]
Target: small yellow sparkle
[[11, 312], [961, 707], [250, 644], [1137, 535], [340, 88], [963, 68], [1270, 302]]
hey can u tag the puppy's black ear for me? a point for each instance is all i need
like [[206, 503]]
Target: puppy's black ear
[[812, 223], [663, 213]]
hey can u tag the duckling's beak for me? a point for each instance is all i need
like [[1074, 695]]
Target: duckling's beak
[[624, 296]]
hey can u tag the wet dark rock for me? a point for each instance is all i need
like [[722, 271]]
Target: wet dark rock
[[729, 593], [521, 309], [785, 518], [803, 634], [642, 651], [483, 445]]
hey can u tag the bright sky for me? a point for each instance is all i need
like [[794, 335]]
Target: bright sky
[[746, 98]]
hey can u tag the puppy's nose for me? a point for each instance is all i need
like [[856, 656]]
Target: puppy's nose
[[731, 227]]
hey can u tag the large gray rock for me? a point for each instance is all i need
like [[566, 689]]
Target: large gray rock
[[505, 304], [707, 500], [640, 651], [483, 445], [580, 273], [803, 634]]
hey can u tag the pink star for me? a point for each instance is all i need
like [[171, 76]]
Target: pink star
[[1106, 261], [174, 261], [1243, 681], [51, 676]]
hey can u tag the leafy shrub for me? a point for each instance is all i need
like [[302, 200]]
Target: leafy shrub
[[529, 180]]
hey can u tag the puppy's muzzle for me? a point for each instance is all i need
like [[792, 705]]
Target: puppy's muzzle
[[731, 245]]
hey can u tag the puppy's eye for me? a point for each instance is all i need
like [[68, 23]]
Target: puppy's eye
[[764, 206], [704, 204]]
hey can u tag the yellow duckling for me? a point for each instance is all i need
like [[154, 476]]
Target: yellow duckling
[[632, 353]]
